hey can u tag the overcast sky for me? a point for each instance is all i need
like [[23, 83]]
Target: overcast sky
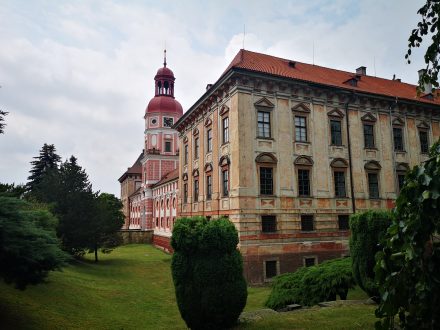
[[79, 74]]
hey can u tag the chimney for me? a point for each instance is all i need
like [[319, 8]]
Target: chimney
[[361, 71], [292, 64], [208, 87], [427, 87]]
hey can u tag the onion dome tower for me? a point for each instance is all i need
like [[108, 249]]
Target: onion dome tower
[[161, 154]]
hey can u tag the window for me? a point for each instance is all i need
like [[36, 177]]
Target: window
[[303, 182], [368, 136], [424, 144], [300, 129], [185, 192], [168, 121], [307, 222], [263, 124], [373, 185], [208, 187], [309, 261], [271, 268], [167, 146], [266, 180], [398, 138], [401, 181], [196, 148], [185, 160], [268, 224], [336, 132], [225, 183], [225, 122], [339, 177], [196, 190], [209, 140], [343, 223]]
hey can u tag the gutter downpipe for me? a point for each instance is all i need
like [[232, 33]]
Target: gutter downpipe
[[353, 200]]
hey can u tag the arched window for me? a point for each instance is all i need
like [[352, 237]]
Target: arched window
[[372, 169], [303, 167], [266, 165]]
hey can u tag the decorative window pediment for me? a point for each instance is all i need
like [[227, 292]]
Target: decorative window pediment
[[208, 122], [266, 157], [402, 167], [195, 131], [397, 121], [336, 113], [224, 109], [369, 117], [339, 163], [264, 103], [208, 167], [301, 107], [185, 139], [304, 161], [195, 172], [185, 177], [372, 165], [224, 161], [423, 125]]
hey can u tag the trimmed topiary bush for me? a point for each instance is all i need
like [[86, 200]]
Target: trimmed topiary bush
[[311, 285], [207, 271], [367, 231]]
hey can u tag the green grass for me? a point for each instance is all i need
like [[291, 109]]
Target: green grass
[[131, 288]]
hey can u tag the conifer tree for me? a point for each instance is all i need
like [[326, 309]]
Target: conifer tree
[[76, 207], [46, 163], [2, 121]]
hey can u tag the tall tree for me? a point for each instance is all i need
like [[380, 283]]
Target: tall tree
[[75, 206], [46, 163], [2, 121], [29, 248], [429, 25], [106, 224]]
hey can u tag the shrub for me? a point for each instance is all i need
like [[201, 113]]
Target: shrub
[[310, 285], [367, 230], [207, 272]]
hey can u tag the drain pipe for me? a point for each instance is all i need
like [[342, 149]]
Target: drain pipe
[[350, 166]]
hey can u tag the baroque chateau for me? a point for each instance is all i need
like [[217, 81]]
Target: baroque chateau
[[285, 150]]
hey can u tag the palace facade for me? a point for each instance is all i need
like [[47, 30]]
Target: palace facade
[[289, 150], [285, 150]]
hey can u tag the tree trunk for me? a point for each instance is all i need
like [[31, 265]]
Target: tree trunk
[[96, 253]]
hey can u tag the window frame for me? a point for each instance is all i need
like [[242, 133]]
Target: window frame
[[273, 262], [333, 139], [225, 129], [304, 218], [336, 184], [343, 221], [268, 223], [185, 154], [196, 147], [424, 149], [208, 187], [397, 147], [225, 182], [165, 118], [185, 192], [265, 124], [196, 190], [299, 180], [370, 173], [367, 142], [266, 185], [209, 140], [170, 143], [301, 129]]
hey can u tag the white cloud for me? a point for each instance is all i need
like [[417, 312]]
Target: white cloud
[[80, 75]]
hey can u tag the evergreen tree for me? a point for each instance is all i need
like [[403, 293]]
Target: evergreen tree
[[2, 121], [75, 206], [45, 164], [106, 224], [29, 248]]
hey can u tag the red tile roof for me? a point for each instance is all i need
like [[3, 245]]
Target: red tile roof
[[136, 168], [276, 66], [170, 176]]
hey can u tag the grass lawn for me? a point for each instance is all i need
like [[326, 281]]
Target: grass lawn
[[131, 288]]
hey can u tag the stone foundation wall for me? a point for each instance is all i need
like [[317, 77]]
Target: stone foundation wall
[[137, 236], [163, 243]]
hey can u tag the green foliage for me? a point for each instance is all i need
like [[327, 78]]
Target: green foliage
[[429, 25], [367, 231], [311, 285], [29, 248], [12, 190], [46, 163], [408, 267], [207, 272]]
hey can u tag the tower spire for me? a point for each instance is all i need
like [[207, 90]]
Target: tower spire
[[165, 57]]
